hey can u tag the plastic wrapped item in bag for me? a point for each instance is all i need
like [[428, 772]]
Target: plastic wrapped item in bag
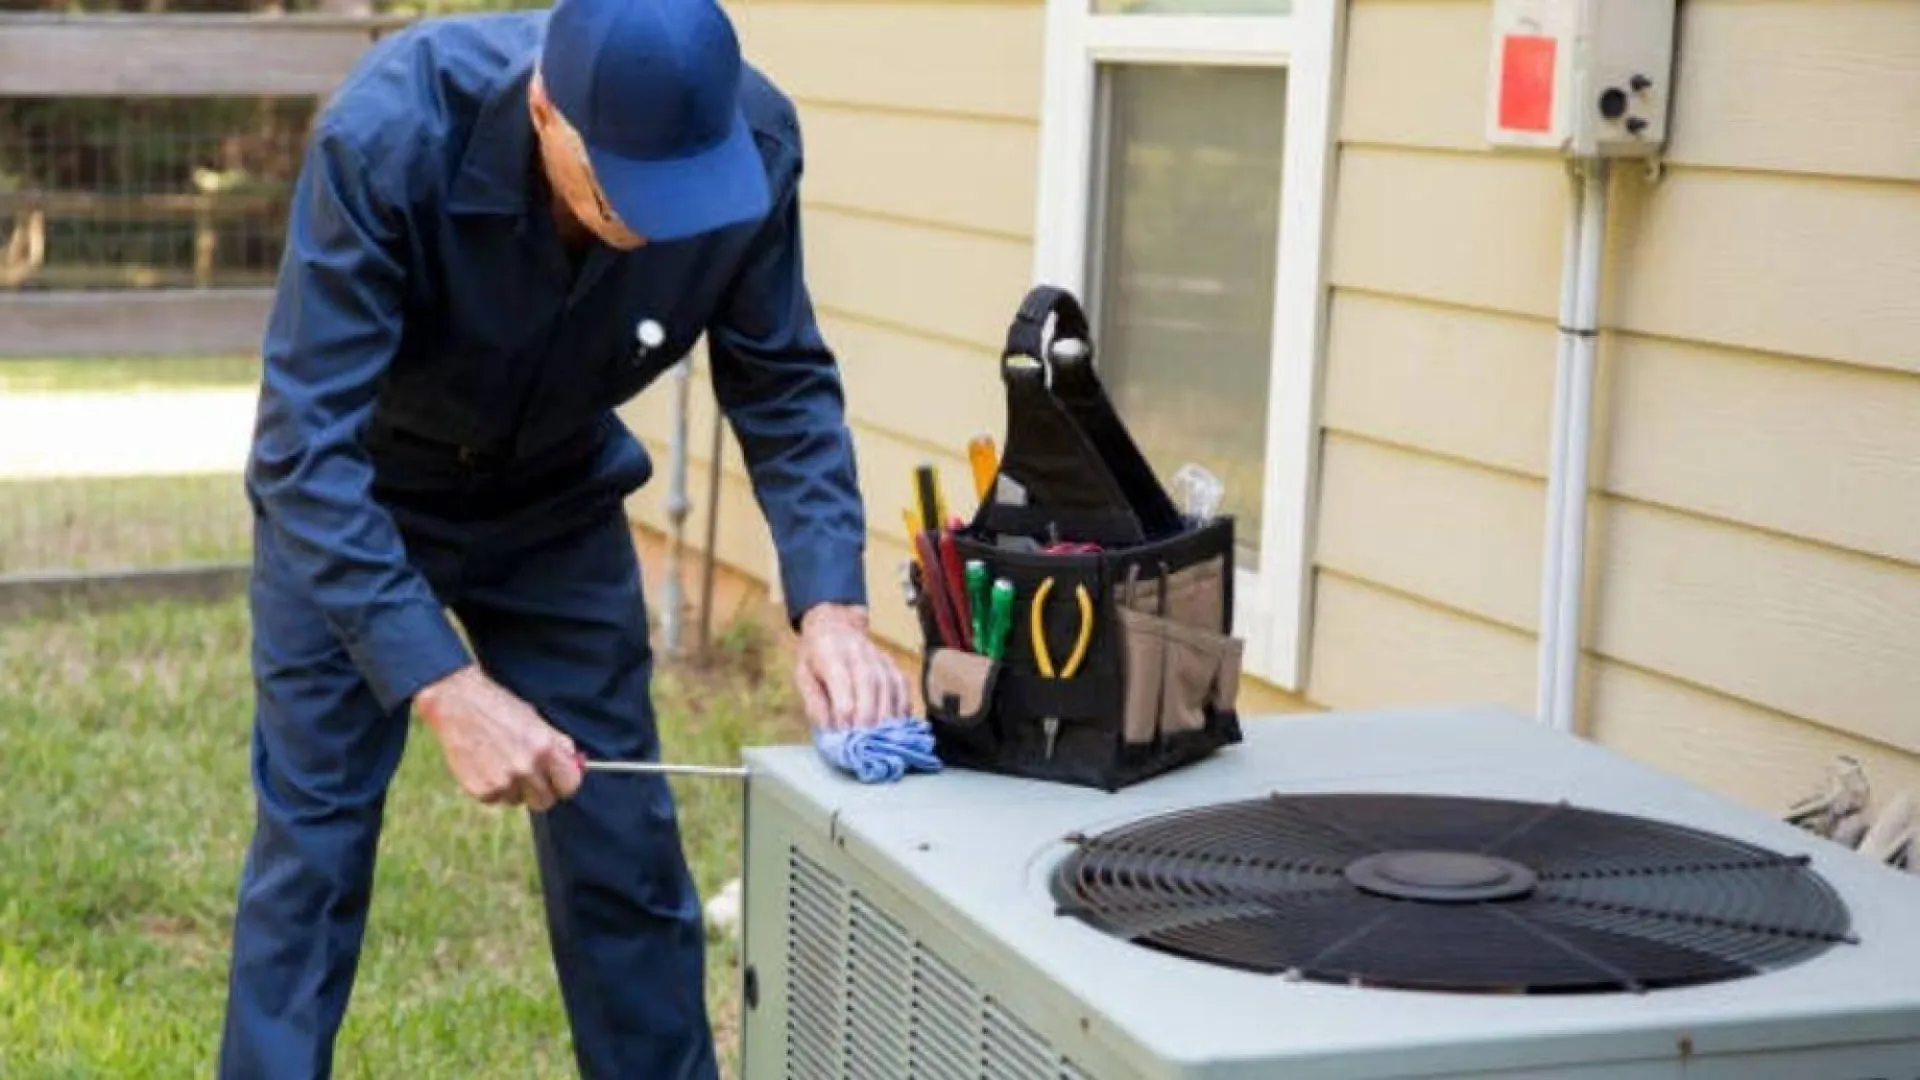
[[1198, 492]]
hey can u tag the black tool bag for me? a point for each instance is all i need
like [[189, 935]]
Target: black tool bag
[[1074, 502]]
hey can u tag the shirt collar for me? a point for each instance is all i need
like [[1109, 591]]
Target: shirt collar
[[498, 162]]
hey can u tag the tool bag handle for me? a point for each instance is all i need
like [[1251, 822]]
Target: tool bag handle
[[1051, 478], [1103, 454], [1025, 333]]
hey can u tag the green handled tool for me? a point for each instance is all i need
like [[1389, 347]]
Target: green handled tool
[[999, 619], [977, 599]]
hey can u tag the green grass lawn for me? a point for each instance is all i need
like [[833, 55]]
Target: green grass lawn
[[131, 373], [122, 823], [122, 523]]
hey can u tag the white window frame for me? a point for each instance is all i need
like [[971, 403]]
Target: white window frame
[[1272, 605]]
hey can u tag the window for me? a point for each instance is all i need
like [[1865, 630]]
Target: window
[[1183, 221], [1184, 160]]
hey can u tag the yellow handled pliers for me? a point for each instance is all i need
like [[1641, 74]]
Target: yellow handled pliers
[[1043, 655]]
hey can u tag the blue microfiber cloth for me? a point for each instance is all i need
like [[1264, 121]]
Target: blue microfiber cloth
[[882, 753]]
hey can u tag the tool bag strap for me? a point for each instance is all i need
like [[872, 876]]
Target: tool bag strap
[[1052, 482], [1076, 383]]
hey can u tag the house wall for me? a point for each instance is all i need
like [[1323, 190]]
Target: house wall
[[1754, 602], [920, 122], [1754, 585]]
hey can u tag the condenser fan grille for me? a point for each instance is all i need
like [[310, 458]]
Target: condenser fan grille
[[1455, 894]]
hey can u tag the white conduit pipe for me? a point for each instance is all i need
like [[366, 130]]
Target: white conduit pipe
[[1557, 449], [1563, 563]]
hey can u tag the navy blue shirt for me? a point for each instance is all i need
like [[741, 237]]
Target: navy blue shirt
[[425, 295]]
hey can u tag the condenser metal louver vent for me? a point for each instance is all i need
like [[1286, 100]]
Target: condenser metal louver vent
[[939, 996], [1452, 893], [868, 1002]]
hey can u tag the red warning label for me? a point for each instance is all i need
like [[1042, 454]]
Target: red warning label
[[1526, 83]]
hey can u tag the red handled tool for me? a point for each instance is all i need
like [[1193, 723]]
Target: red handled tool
[[939, 592], [955, 574]]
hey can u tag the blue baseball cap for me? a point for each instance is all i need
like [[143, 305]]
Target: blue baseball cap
[[653, 88]]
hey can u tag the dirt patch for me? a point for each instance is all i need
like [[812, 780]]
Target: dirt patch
[[193, 941], [166, 927]]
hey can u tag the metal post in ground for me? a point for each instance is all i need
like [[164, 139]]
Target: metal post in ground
[[673, 592]]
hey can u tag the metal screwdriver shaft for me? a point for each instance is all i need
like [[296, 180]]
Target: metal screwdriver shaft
[[735, 772]]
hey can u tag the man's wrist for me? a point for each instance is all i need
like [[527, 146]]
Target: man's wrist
[[825, 575], [834, 613], [431, 698]]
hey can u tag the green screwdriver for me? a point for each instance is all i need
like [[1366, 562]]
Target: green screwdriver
[[977, 600], [1001, 619]]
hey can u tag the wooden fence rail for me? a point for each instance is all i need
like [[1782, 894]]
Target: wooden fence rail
[[182, 55], [134, 322]]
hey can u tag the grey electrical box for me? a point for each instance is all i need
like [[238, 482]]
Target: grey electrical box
[[1585, 78]]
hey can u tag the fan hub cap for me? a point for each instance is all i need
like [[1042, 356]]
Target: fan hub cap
[[1456, 877]]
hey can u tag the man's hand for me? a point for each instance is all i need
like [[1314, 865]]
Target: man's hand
[[844, 678], [497, 747]]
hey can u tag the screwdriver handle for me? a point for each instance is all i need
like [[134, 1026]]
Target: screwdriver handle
[[985, 464]]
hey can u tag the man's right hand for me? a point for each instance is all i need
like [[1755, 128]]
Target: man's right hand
[[497, 747]]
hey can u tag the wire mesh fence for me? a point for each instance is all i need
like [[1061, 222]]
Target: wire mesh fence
[[114, 464], [126, 463], [146, 192]]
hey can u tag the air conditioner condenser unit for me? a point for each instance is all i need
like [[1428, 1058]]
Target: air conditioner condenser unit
[[1438, 894]]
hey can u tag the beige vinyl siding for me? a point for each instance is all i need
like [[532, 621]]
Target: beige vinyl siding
[[1389, 648], [921, 128], [1823, 634], [1754, 542]]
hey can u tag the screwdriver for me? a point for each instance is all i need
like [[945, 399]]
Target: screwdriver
[[985, 464], [735, 772]]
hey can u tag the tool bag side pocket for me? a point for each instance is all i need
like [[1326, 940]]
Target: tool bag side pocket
[[1173, 602], [962, 691], [1143, 645], [959, 686], [1201, 678]]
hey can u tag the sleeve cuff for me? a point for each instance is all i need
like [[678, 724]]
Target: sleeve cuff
[[822, 574], [405, 649]]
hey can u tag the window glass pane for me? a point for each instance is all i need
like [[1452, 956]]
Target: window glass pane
[[1183, 252], [1191, 7]]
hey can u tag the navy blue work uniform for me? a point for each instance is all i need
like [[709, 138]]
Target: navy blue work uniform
[[435, 433]]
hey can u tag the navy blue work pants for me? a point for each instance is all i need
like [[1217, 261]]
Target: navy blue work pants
[[559, 619]]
